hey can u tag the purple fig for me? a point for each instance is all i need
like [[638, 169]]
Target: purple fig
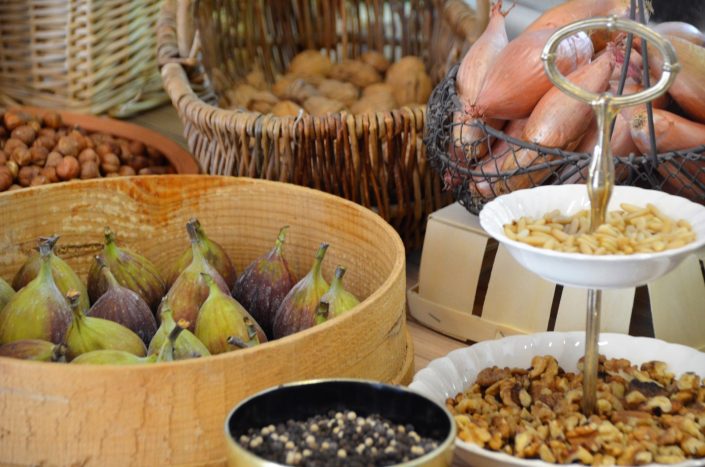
[[298, 309], [211, 250], [123, 306], [190, 289], [264, 284], [130, 269]]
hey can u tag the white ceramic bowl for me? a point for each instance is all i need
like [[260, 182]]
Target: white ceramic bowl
[[580, 270], [447, 376]]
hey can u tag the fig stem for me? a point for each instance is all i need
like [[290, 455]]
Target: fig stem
[[109, 235], [192, 227], [322, 312], [339, 273], [46, 246], [51, 240], [209, 281], [320, 254], [58, 352], [280, 238], [73, 297], [236, 342]]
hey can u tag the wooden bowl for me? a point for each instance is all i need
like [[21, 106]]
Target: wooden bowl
[[173, 413], [180, 158]]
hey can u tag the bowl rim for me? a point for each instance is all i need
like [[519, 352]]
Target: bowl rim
[[501, 237], [507, 459], [443, 445], [216, 182]]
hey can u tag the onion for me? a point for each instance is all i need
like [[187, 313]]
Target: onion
[[682, 30]]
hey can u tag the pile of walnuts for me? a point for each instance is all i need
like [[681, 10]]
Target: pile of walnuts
[[316, 85], [643, 414], [36, 150]]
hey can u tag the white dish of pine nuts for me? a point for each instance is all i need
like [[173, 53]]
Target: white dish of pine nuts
[[648, 234], [457, 372]]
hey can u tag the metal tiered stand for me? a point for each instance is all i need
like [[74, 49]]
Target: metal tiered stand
[[600, 181]]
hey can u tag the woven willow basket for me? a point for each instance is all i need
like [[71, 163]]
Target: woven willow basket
[[377, 160], [84, 56]]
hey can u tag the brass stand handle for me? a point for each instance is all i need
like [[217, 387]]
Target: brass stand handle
[[600, 180]]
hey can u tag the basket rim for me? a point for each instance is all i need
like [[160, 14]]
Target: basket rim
[[179, 87]]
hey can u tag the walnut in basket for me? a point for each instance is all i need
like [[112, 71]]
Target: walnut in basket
[[359, 73], [310, 62], [286, 109], [347, 93], [376, 102], [319, 105], [409, 81], [294, 87], [376, 59]]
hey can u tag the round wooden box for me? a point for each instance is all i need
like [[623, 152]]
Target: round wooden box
[[173, 413]]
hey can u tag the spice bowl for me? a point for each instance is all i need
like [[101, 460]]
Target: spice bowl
[[359, 409]]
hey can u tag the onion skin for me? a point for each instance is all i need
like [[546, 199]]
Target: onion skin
[[681, 30], [516, 81]]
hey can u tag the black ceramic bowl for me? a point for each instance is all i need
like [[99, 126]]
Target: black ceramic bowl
[[300, 401]]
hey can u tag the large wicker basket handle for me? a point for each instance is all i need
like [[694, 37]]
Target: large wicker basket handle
[[464, 21]]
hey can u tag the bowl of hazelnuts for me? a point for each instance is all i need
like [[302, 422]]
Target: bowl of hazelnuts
[[38, 147]]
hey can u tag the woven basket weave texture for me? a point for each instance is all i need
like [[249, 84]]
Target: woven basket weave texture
[[84, 56], [377, 160]]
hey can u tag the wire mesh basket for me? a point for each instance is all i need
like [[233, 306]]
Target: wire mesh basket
[[496, 161]]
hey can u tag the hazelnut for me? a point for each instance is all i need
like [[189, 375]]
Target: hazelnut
[[139, 162], [126, 171], [79, 138], [68, 168], [52, 120], [27, 174], [6, 178], [88, 155], [50, 132], [3, 157], [22, 156], [13, 167], [111, 174], [35, 125], [105, 148], [89, 170], [45, 141], [24, 133], [53, 159], [67, 146], [14, 119], [50, 174], [39, 179], [39, 155], [110, 163], [153, 152], [137, 148], [12, 144]]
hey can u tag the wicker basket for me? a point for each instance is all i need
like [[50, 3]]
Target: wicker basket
[[377, 160], [88, 57]]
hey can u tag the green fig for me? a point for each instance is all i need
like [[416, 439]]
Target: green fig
[[190, 289], [339, 299], [34, 349], [252, 338], [123, 306], [186, 346], [120, 357], [212, 251], [64, 277], [130, 269], [322, 312], [6, 293], [298, 309], [87, 333], [264, 283], [222, 316], [38, 310]]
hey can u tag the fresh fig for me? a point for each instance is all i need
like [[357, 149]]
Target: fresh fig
[[252, 339], [38, 310], [186, 346], [264, 283], [120, 357], [6, 293], [222, 316], [190, 289], [34, 349], [130, 269], [87, 333], [123, 306], [211, 250], [298, 309], [339, 299], [64, 277]]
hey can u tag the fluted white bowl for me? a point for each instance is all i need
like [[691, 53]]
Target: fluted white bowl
[[447, 376], [581, 270]]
